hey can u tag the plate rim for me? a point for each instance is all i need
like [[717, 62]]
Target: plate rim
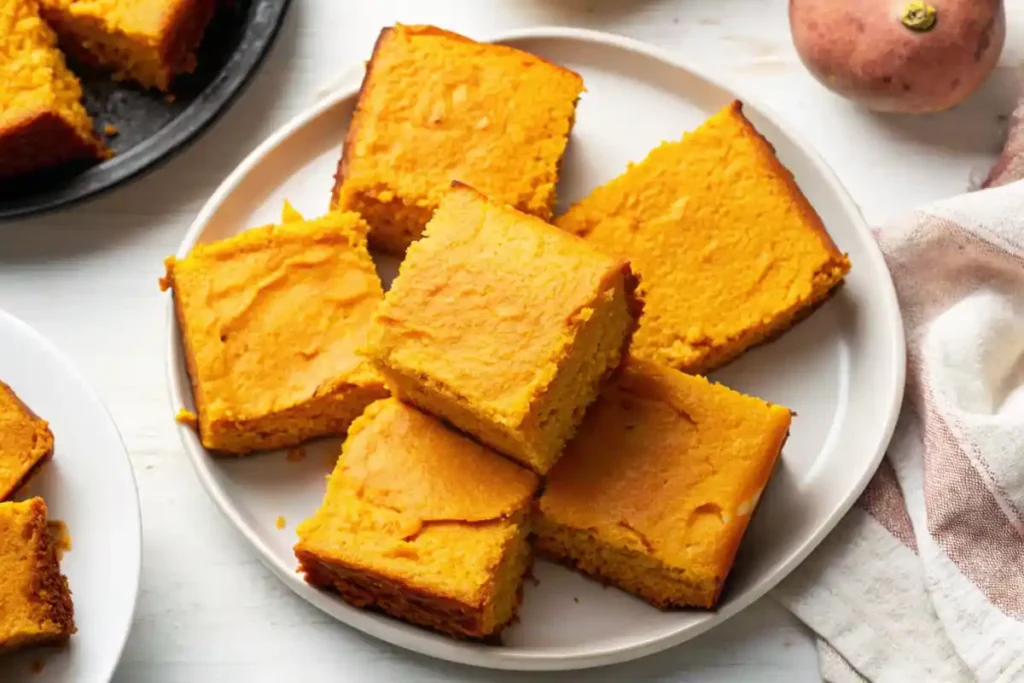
[[430, 644], [168, 142], [72, 370]]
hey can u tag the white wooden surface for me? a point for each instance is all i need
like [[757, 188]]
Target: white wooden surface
[[86, 277]]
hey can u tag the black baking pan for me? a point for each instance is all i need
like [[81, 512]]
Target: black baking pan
[[152, 127]]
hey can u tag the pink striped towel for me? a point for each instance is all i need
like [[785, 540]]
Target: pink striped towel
[[923, 581]]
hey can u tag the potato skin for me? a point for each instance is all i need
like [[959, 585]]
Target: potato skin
[[860, 49]]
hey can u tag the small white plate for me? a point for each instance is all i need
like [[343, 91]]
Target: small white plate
[[90, 487], [841, 370]]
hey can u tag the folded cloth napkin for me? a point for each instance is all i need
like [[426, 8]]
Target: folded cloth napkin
[[923, 581]]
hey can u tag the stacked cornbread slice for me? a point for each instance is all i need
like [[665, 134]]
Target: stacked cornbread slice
[[537, 371]]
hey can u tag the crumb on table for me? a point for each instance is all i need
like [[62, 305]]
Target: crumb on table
[[187, 418], [110, 130], [280, 523], [297, 454]]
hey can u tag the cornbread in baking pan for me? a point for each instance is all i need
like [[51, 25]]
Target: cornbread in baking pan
[[25, 442], [35, 601], [147, 41], [436, 107], [503, 325], [423, 523], [728, 250], [655, 492], [42, 121], [271, 320]]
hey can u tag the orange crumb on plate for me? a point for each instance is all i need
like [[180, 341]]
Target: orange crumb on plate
[[187, 418], [110, 130], [297, 454], [280, 523]]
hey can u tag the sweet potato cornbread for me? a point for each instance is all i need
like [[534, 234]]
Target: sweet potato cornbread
[[271, 319], [655, 492], [42, 120], [148, 41], [503, 325], [728, 250], [35, 601], [423, 523], [25, 442], [436, 107]]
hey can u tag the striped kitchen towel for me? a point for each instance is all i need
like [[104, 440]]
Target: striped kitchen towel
[[923, 581]]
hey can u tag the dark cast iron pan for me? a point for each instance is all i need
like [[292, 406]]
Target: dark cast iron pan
[[151, 127]]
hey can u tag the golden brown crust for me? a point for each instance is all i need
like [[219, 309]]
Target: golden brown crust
[[49, 584], [44, 140]]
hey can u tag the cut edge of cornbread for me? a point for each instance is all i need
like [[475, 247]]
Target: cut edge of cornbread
[[657, 583], [396, 224], [153, 61], [42, 448], [49, 591], [598, 338], [330, 412], [365, 588]]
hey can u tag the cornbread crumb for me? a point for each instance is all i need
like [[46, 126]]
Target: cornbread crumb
[[655, 492], [60, 537], [728, 250], [187, 418], [297, 454], [36, 601], [26, 442], [503, 325], [435, 107], [110, 130], [271, 321], [280, 523], [42, 120], [289, 214], [149, 42], [423, 523]]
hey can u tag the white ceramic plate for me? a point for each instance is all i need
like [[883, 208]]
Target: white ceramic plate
[[89, 486], [841, 370]]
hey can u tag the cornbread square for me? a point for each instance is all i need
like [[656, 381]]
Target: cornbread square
[[42, 120], [655, 492], [25, 442], [35, 601], [436, 107], [503, 325], [728, 250], [423, 523], [270, 320], [148, 41]]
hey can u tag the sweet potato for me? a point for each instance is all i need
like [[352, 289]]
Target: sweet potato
[[900, 55]]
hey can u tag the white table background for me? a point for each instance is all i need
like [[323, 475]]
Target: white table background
[[87, 278]]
